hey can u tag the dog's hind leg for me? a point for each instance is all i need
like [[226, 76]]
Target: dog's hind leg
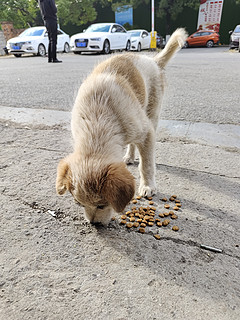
[[147, 165], [130, 154]]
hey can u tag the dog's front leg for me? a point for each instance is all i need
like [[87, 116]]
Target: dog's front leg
[[147, 165]]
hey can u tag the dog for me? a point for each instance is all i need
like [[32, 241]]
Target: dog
[[117, 105]]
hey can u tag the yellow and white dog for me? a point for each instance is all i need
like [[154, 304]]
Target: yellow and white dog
[[117, 105]]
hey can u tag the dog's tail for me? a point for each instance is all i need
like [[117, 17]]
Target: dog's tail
[[174, 44]]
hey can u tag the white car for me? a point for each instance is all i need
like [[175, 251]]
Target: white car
[[101, 37], [140, 39], [35, 40]]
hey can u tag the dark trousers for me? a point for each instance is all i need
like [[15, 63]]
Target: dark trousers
[[51, 26]]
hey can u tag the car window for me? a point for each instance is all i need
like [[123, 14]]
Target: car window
[[198, 34], [237, 29], [32, 33], [135, 33], [98, 28], [59, 32], [119, 29], [206, 33], [145, 34]]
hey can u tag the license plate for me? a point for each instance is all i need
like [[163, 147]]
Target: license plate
[[81, 44], [16, 47]]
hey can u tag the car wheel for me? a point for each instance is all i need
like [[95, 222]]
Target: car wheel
[[186, 44], [210, 44], [17, 55], [41, 50], [66, 48], [77, 52], [128, 46], [139, 47], [106, 47]]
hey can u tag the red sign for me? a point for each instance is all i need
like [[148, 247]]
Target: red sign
[[209, 16]]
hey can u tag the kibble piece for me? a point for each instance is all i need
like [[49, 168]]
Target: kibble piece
[[161, 215], [138, 197], [141, 216], [174, 216], [177, 201], [149, 198], [141, 230], [144, 221], [134, 201], [175, 228], [166, 214], [171, 213], [157, 236], [174, 196], [123, 217], [171, 199], [146, 217], [143, 225], [165, 222], [139, 220], [164, 199], [151, 202], [175, 208], [134, 208], [167, 206], [159, 224], [178, 205], [157, 220], [135, 224], [128, 212], [113, 218], [129, 225], [132, 219], [153, 208], [123, 222], [150, 223]]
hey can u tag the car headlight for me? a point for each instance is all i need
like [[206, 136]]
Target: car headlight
[[95, 39], [235, 38], [27, 42]]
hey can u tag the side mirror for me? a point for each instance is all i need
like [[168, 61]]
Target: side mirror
[[114, 29], [84, 30], [230, 32]]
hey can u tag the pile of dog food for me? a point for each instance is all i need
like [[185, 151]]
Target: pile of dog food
[[146, 217]]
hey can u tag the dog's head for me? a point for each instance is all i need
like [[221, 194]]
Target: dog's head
[[100, 189]]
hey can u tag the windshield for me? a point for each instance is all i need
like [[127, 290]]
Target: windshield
[[237, 29], [135, 33], [98, 28], [32, 33]]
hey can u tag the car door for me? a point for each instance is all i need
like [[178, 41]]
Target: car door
[[122, 37], [114, 37], [196, 39], [146, 39], [60, 40]]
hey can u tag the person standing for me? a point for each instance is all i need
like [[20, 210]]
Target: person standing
[[49, 14]]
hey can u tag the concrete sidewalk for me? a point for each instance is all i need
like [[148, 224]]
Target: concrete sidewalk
[[54, 265]]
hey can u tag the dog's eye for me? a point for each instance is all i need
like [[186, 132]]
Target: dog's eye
[[100, 207]]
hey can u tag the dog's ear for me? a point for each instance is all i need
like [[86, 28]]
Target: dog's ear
[[64, 180], [119, 186]]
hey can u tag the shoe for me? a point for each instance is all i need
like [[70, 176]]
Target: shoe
[[56, 61]]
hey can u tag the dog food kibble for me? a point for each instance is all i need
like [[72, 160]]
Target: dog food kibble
[[171, 213], [157, 220], [149, 198], [164, 199], [153, 208], [161, 215], [159, 224], [150, 223], [139, 220], [129, 225], [128, 212], [166, 214], [123, 222], [174, 196], [165, 222], [123, 217], [177, 201], [171, 199], [132, 219], [113, 219], [143, 225], [167, 206], [175, 228], [178, 205], [151, 202], [141, 230], [175, 208], [157, 236], [138, 197], [135, 224], [134, 201], [174, 216]]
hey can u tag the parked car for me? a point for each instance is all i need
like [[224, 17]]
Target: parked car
[[35, 40], [160, 41], [234, 38], [202, 38], [140, 39], [101, 37]]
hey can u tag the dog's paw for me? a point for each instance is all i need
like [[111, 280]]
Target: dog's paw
[[146, 191], [128, 160]]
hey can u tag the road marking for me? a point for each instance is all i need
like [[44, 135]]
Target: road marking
[[225, 135]]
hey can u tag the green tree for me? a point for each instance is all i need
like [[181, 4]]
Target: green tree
[[21, 12]]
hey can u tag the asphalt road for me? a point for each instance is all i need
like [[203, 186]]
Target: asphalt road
[[203, 83]]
